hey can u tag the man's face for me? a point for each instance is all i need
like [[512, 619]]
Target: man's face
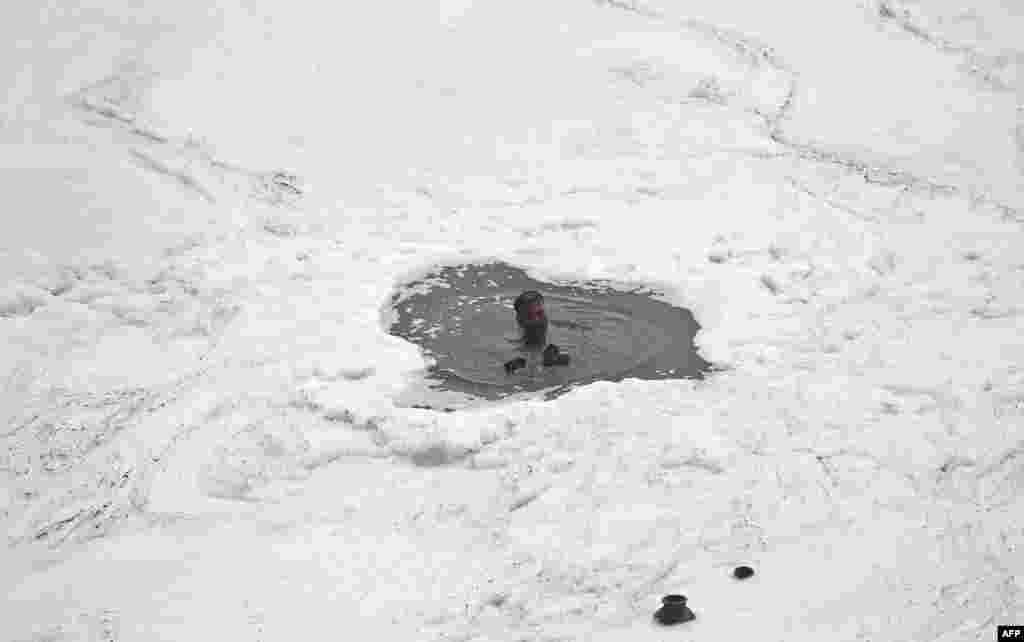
[[535, 311]]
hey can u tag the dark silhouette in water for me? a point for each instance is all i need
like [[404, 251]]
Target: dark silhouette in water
[[533, 326], [532, 320], [514, 364], [553, 356]]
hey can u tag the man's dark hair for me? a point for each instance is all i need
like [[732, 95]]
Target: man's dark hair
[[526, 298]]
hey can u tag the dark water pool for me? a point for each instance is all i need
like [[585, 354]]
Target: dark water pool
[[462, 317]]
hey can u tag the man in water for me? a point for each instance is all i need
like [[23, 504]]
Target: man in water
[[533, 326], [532, 320]]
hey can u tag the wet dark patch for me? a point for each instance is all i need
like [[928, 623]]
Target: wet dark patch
[[462, 318]]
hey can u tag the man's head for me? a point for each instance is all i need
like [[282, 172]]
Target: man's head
[[531, 317]]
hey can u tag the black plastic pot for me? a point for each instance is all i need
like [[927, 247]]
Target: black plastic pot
[[742, 572], [553, 356], [673, 610]]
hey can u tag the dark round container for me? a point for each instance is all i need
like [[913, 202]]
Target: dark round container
[[742, 572], [673, 610]]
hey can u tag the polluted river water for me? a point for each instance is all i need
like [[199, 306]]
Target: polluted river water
[[462, 318]]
